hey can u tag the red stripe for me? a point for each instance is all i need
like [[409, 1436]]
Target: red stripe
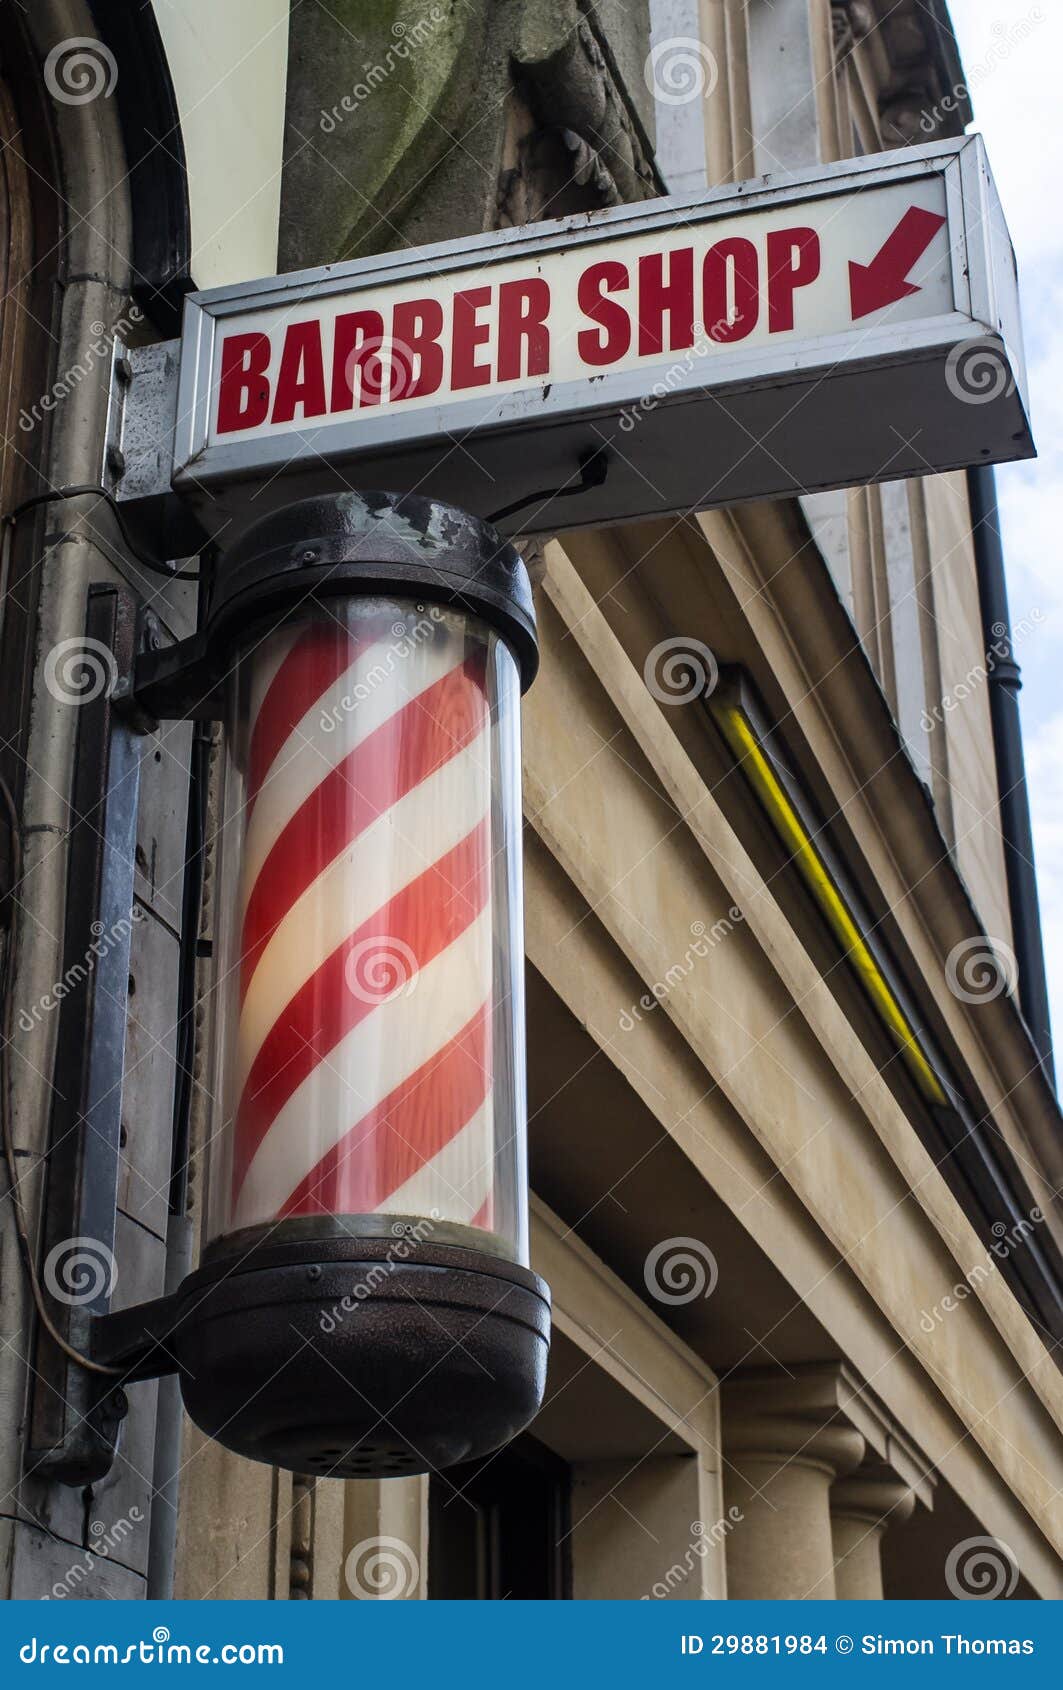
[[423, 919], [485, 1213], [319, 655], [403, 1132], [375, 774]]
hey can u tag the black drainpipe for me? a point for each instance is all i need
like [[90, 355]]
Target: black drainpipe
[[1004, 685]]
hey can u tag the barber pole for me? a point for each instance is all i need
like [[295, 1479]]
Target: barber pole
[[363, 1075], [364, 1303]]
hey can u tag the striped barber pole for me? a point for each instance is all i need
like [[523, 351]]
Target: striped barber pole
[[366, 882]]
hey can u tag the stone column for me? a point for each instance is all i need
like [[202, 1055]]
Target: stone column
[[784, 1445], [862, 1507], [385, 1540]]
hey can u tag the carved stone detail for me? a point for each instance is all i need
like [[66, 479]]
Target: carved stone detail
[[861, 17], [922, 96], [576, 142], [851, 21], [912, 116], [301, 1555], [842, 32]]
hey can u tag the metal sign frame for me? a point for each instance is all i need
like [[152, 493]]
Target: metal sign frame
[[481, 452]]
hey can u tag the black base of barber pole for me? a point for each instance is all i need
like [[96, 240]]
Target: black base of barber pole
[[329, 1356]]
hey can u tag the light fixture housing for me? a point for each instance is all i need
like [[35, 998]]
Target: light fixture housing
[[364, 1303], [735, 709]]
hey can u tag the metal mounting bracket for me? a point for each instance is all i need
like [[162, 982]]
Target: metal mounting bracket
[[138, 447], [75, 1415]]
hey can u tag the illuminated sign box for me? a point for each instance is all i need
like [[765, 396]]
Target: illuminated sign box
[[848, 325]]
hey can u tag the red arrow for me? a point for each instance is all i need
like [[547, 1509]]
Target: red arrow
[[884, 280]]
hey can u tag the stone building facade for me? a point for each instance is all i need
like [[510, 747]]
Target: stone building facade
[[806, 1322]]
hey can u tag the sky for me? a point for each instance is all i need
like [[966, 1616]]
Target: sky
[[1011, 51]]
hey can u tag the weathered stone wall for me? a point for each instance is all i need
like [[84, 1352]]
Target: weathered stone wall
[[417, 120]]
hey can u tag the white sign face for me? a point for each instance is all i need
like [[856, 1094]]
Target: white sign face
[[754, 279], [854, 324]]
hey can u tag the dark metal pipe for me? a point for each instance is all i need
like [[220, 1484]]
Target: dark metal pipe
[[169, 1411], [1004, 684]]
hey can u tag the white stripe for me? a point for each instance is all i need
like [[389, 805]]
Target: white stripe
[[368, 693], [458, 1180], [384, 1049], [265, 660], [398, 846]]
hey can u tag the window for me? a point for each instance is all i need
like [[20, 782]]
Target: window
[[500, 1528]]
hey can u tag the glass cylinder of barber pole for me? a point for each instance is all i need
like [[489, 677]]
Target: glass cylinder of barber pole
[[367, 1210], [371, 1001]]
